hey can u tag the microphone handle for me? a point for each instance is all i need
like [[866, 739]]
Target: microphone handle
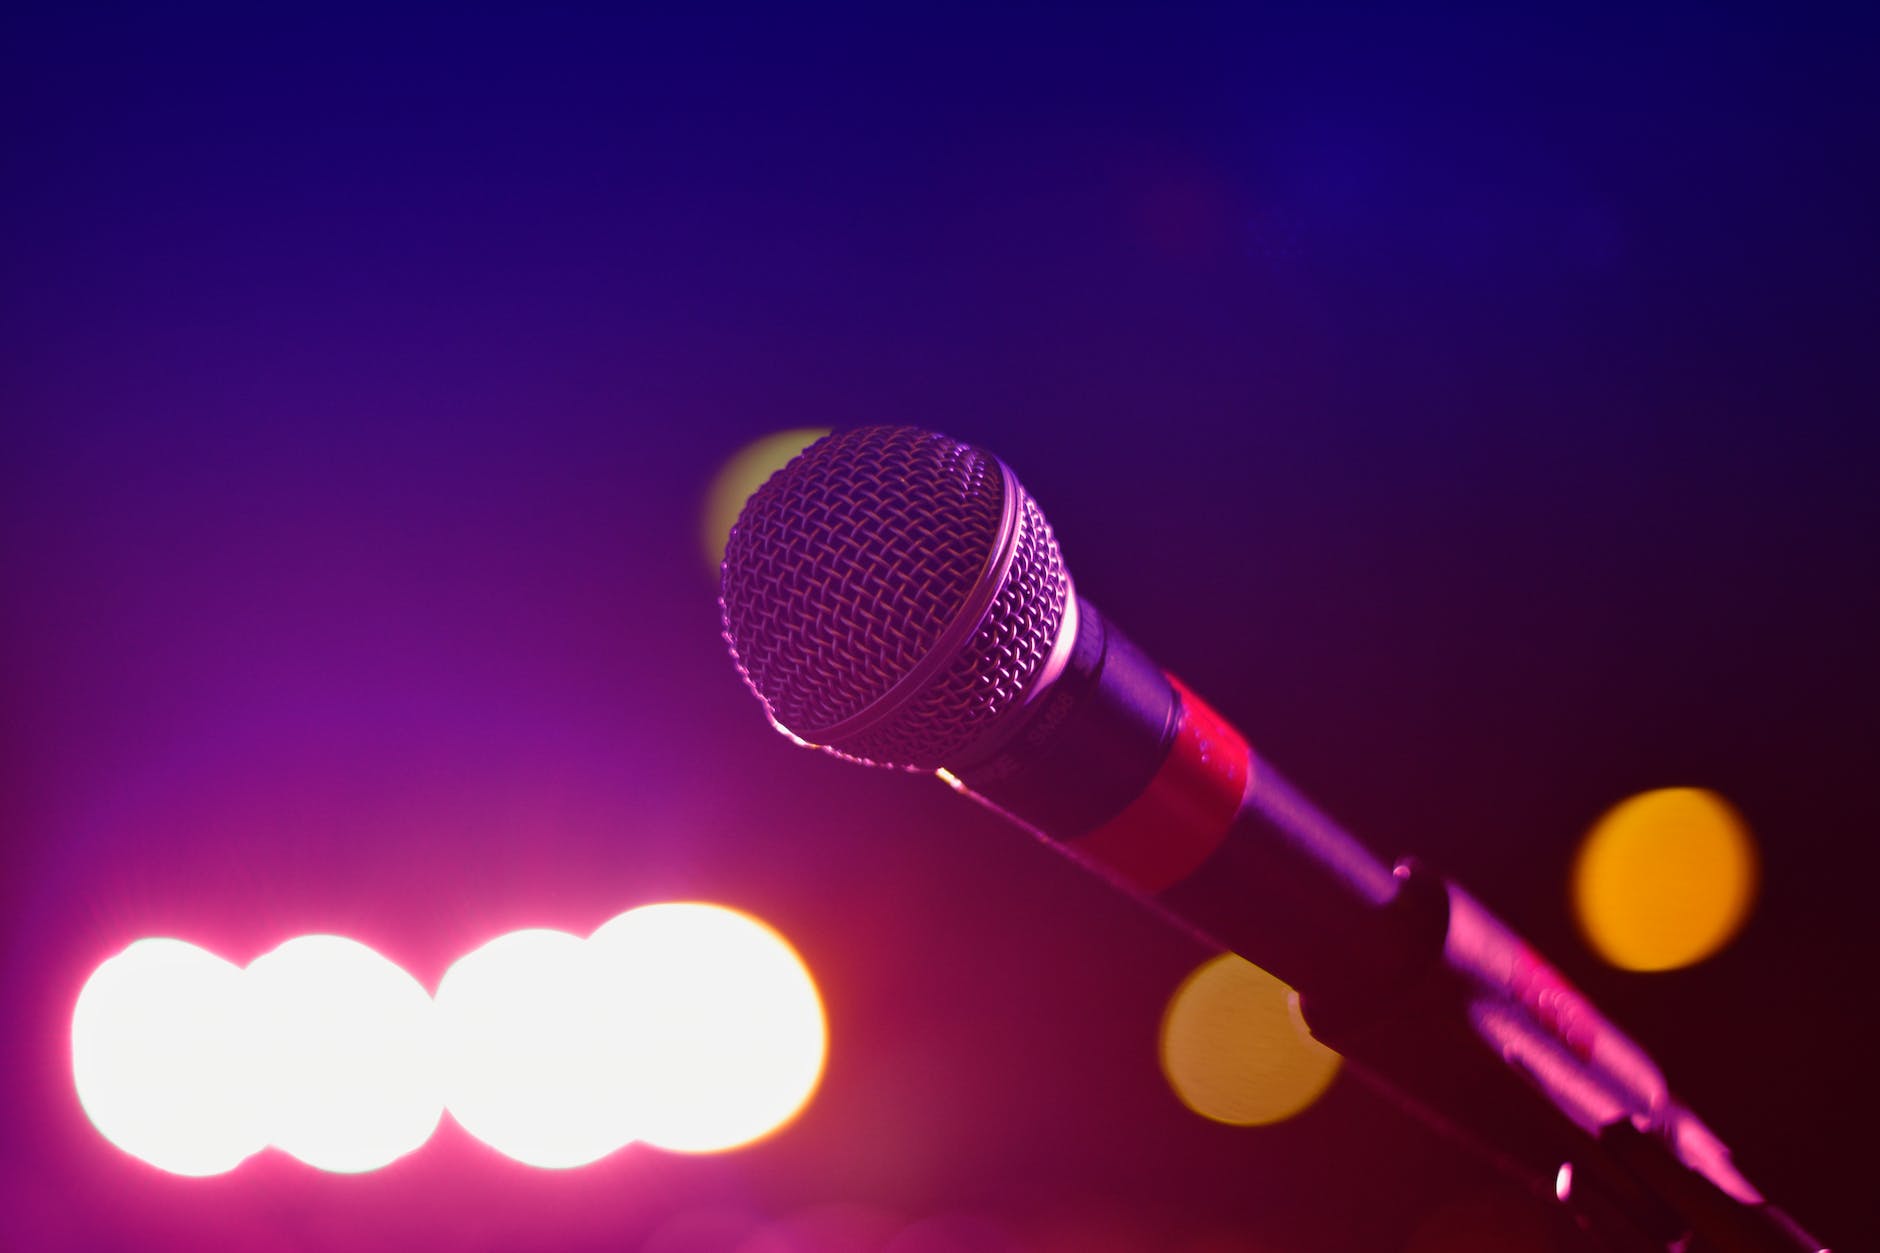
[[1124, 769]]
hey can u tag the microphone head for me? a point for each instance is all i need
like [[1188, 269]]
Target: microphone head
[[890, 594]]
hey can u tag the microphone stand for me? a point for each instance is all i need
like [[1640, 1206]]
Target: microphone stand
[[1398, 969], [1637, 1174], [1115, 762]]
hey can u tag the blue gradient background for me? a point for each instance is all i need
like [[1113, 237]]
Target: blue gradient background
[[1479, 410]]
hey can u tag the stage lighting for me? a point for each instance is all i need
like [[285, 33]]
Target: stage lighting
[[1234, 1049], [729, 1036], [1664, 879], [163, 1058], [741, 475], [690, 1027], [535, 1051], [346, 1048]]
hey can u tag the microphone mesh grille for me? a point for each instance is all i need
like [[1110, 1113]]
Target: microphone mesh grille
[[845, 569]]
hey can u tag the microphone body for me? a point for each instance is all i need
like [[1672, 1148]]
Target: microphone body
[[896, 598], [1130, 773], [1123, 768]]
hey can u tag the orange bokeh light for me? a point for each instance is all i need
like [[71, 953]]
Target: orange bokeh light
[[1664, 879], [1235, 1050]]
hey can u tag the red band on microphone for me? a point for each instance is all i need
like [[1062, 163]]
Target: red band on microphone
[[1185, 812]]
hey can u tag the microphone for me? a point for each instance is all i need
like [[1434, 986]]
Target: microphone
[[895, 598]]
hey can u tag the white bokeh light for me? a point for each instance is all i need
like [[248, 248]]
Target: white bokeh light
[[163, 1061], [690, 1027], [728, 1037], [534, 1058], [346, 1049]]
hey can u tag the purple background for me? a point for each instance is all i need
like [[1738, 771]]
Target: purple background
[[1479, 411]]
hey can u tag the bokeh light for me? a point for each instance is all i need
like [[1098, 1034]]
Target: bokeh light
[[346, 1051], [728, 1031], [743, 474], [1664, 879], [163, 1060], [1234, 1049], [691, 1027], [535, 1049]]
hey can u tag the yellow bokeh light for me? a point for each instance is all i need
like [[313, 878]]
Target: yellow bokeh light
[[1664, 879], [1234, 1049], [743, 474]]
